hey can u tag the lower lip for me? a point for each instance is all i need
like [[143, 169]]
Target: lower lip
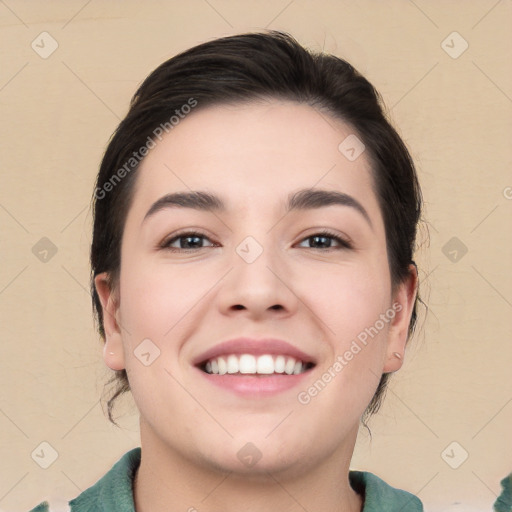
[[255, 386]]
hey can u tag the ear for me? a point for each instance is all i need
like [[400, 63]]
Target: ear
[[113, 353], [403, 305]]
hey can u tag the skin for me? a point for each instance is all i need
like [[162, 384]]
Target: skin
[[252, 155]]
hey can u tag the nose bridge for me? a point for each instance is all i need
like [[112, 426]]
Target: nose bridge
[[255, 283], [250, 249], [254, 260]]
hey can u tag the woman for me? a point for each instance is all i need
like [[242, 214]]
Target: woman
[[255, 218]]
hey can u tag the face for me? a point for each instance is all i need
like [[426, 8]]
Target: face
[[218, 302]]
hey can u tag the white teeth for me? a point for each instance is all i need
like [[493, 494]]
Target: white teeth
[[246, 364], [265, 364], [232, 364], [289, 367], [279, 364], [223, 365]]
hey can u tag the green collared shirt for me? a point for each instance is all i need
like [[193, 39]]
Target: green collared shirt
[[504, 501], [114, 492]]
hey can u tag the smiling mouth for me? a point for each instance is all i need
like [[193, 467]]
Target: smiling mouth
[[248, 364]]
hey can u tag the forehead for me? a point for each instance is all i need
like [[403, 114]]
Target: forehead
[[254, 153]]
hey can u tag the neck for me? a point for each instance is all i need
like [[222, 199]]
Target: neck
[[167, 481]]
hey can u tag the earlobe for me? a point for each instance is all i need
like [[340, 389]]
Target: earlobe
[[113, 352], [114, 359], [394, 364], [404, 301]]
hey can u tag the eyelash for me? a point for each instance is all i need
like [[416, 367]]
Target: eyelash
[[343, 244]]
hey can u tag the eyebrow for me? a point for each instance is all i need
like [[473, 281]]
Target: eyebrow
[[304, 199]]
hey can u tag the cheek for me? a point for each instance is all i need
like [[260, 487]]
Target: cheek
[[353, 309], [155, 296], [155, 299], [349, 299]]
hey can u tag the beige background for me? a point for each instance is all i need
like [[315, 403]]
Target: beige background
[[455, 114]]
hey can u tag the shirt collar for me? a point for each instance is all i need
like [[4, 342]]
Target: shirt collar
[[114, 492]]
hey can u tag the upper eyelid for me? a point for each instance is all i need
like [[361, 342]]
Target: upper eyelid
[[343, 240], [167, 240]]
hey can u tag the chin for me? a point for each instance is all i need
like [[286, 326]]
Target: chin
[[259, 458]]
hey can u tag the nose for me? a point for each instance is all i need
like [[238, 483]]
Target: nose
[[258, 287]]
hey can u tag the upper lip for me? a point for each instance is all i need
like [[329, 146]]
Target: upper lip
[[255, 347]]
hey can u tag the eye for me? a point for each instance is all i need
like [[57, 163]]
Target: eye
[[191, 240], [325, 239]]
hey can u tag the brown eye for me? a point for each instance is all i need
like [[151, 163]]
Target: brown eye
[[327, 240], [186, 242]]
